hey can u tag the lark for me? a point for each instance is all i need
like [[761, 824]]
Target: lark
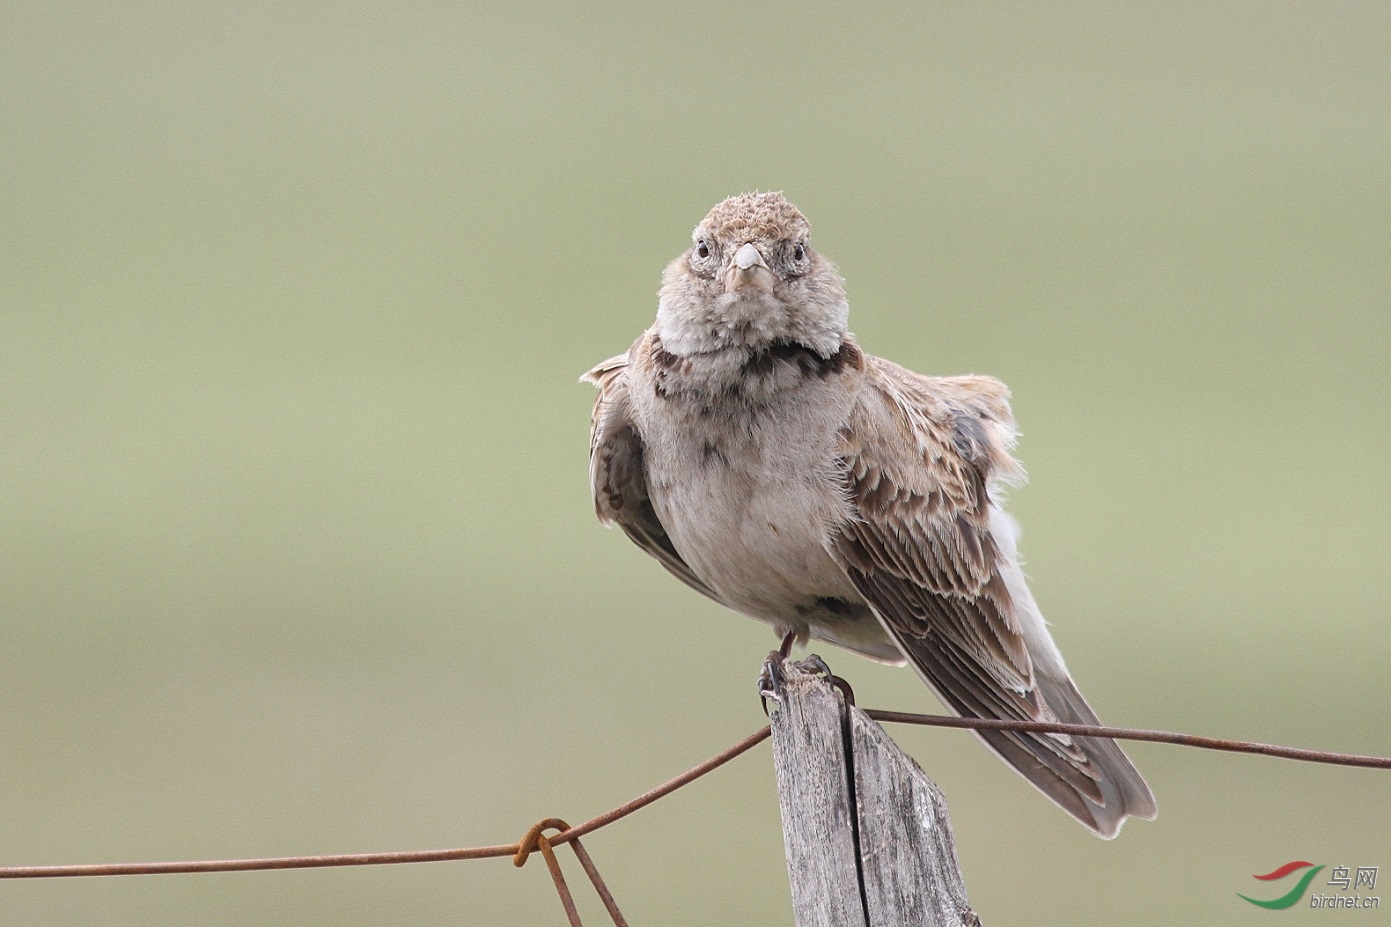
[[748, 444]]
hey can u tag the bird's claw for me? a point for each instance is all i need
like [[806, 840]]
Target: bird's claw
[[771, 678], [816, 665]]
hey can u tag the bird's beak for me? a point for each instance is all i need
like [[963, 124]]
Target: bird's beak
[[748, 269]]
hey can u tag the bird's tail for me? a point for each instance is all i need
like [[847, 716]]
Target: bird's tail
[[1101, 793]]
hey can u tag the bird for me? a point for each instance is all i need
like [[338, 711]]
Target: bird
[[748, 444]]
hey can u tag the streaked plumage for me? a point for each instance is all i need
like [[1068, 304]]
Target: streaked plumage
[[748, 444]]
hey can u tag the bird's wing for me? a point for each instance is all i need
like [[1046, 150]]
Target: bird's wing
[[616, 475], [920, 457]]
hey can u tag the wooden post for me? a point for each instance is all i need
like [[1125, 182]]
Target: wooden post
[[868, 839]]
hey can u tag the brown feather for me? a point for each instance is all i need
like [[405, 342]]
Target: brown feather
[[921, 553], [617, 478]]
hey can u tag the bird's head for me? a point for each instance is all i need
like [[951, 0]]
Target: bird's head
[[751, 279]]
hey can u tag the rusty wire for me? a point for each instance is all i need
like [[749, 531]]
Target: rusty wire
[[572, 834], [593, 872], [536, 839], [1130, 733]]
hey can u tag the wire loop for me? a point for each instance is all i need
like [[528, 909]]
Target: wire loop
[[536, 839], [532, 840]]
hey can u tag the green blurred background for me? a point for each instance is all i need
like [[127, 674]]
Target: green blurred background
[[296, 549]]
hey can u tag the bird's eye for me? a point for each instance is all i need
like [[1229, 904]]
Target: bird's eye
[[702, 249], [799, 253]]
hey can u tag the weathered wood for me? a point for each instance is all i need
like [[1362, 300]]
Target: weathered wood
[[907, 855], [814, 793], [878, 853]]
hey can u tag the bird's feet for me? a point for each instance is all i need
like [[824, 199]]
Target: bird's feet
[[771, 678], [773, 675], [817, 666]]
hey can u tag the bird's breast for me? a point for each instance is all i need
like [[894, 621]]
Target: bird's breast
[[749, 498]]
